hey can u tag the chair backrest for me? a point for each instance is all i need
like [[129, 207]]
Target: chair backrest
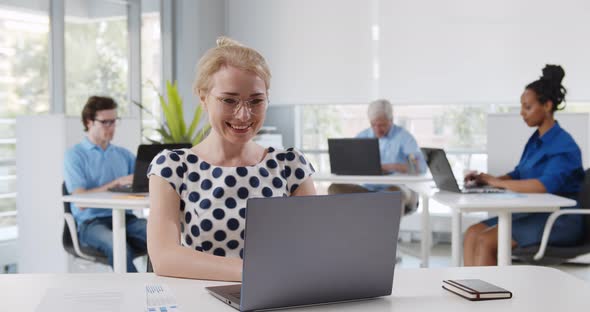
[[66, 236], [584, 202], [67, 205]]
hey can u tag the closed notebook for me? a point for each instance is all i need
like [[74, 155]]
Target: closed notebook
[[475, 289]]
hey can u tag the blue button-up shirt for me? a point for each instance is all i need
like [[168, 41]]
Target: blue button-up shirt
[[554, 159], [395, 147], [88, 166]]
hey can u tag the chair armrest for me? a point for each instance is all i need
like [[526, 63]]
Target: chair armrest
[[71, 223], [549, 225]]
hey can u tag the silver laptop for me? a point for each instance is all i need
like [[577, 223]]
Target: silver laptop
[[315, 250], [441, 171]]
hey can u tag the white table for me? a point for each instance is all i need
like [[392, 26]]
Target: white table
[[118, 202], [537, 289], [409, 180], [504, 205]]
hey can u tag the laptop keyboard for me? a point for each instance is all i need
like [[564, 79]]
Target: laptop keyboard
[[484, 190], [127, 188]]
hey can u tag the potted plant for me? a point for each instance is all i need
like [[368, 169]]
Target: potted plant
[[173, 129]]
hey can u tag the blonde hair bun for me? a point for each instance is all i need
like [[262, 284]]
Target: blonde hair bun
[[227, 42], [229, 52]]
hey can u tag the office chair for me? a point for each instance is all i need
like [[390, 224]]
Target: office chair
[[70, 237], [552, 255]]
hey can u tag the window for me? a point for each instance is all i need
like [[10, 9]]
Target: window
[[96, 53], [151, 68], [460, 129], [24, 89]]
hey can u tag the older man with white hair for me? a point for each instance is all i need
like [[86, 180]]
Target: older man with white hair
[[399, 154]]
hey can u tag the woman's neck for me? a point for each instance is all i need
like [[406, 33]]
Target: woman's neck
[[217, 151], [546, 125]]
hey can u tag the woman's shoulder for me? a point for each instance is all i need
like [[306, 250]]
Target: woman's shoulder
[[177, 157], [289, 160], [565, 142], [286, 155]]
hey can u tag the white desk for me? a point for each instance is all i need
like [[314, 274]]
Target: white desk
[[381, 179], [538, 289], [425, 241], [118, 202], [504, 205]]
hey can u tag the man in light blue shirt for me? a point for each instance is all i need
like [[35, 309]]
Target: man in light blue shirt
[[399, 152], [95, 165]]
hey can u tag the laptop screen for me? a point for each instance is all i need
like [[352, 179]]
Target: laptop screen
[[440, 169], [354, 156], [145, 155]]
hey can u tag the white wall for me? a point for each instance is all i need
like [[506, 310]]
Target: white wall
[[318, 51], [475, 51], [429, 52], [197, 24]]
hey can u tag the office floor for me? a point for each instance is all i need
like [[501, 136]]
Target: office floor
[[441, 257]]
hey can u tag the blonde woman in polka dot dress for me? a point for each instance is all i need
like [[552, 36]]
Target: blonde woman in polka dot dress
[[198, 196]]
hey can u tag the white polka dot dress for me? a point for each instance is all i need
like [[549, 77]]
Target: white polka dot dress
[[213, 198]]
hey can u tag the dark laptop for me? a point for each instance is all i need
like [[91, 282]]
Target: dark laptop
[[441, 171], [316, 249], [355, 156], [145, 155]]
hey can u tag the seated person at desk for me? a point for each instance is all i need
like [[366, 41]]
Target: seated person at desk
[[95, 165], [198, 196], [551, 163], [398, 150]]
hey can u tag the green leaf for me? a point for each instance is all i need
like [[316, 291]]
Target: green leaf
[[153, 141], [165, 135], [175, 104], [196, 120], [201, 134], [173, 128], [143, 108], [170, 120]]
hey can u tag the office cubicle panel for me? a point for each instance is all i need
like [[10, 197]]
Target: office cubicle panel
[[507, 135]]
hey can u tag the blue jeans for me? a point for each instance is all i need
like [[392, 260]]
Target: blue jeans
[[98, 233]]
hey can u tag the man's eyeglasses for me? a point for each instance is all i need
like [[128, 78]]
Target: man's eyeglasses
[[108, 122], [232, 105]]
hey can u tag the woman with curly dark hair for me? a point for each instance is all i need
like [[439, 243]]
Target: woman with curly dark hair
[[551, 163]]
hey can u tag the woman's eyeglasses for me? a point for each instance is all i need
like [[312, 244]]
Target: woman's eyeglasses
[[232, 105], [108, 122]]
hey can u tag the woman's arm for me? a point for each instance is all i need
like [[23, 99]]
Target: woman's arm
[[168, 257], [519, 186], [307, 188]]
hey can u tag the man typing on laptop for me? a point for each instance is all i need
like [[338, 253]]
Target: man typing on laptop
[[398, 150], [95, 165]]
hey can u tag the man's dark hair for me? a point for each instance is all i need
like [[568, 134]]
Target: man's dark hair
[[94, 104]]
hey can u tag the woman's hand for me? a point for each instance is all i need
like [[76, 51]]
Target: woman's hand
[[474, 178], [487, 179], [471, 177]]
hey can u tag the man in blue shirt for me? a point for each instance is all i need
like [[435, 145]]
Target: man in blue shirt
[[399, 152], [95, 165]]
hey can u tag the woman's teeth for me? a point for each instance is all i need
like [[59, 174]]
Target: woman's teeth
[[239, 127]]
